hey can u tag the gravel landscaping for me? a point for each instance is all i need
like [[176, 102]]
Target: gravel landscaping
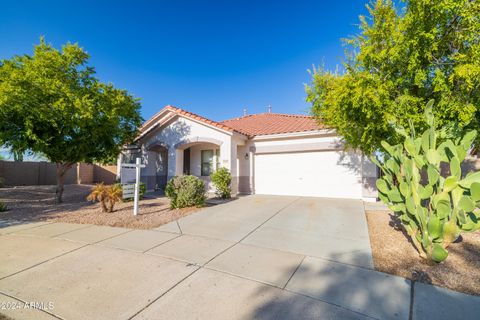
[[37, 203], [394, 254]]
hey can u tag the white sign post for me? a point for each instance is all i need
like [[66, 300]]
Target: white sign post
[[127, 188]]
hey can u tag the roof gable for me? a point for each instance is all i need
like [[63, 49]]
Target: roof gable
[[168, 112]]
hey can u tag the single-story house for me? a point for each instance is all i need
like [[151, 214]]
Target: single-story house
[[267, 153]]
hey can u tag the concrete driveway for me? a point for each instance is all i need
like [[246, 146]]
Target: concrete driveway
[[259, 257]]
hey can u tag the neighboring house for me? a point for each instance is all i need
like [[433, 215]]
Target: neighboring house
[[268, 153]]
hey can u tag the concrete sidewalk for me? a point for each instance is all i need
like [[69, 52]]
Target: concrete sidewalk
[[254, 258]]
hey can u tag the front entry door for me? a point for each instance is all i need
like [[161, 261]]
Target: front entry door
[[186, 161]]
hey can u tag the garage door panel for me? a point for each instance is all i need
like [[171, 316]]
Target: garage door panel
[[317, 174]]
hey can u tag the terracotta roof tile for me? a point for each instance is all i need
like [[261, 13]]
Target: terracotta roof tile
[[272, 123], [251, 125]]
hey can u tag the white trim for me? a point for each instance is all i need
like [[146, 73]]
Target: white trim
[[195, 140], [146, 123], [152, 126], [323, 132], [298, 148]]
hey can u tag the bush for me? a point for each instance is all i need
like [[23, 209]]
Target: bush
[[433, 210], [185, 191], [221, 179], [3, 207], [2, 182]]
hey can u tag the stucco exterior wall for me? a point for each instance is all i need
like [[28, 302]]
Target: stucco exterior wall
[[181, 133]]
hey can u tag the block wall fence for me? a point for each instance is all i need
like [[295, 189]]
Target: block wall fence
[[27, 173]]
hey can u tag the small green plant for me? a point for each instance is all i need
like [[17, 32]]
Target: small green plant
[[3, 207], [2, 182], [433, 209], [185, 191], [142, 191], [221, 179]]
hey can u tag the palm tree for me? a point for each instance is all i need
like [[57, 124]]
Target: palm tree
[[114, 194], [99, 193], [106, 195]]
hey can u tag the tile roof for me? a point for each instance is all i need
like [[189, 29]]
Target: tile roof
[[251, 125], [272, 123]]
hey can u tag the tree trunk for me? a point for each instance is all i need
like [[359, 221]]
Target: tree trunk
[[111, 205], [104, 205], [61, 170]]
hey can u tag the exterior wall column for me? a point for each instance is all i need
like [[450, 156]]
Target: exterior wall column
[[215, 160], [178, 162], [171, 162], [228, 153], [119, 165], [84, 173], [234, 168], [251, 155]]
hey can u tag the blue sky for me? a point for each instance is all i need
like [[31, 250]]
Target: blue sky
[[210, 57]]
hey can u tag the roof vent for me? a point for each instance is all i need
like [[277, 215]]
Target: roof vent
[[269, 109]]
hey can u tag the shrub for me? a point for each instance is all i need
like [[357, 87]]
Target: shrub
[[2, 182], [142, 191], [185, 191], [221, 179], [3, 207], [433, 210], [106, 195]]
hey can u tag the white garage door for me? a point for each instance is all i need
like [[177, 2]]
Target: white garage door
[[314, 174]]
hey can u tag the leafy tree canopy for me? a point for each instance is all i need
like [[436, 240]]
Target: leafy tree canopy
[[401, 59], [51, 103]]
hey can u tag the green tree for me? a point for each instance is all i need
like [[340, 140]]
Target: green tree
[[52, 104], [401, 59]]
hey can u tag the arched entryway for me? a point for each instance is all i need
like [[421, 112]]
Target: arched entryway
[[198, 157]]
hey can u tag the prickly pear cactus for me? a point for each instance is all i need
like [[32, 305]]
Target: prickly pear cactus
[[433, 209]]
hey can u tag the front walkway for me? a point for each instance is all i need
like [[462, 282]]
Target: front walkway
[[256, 257]]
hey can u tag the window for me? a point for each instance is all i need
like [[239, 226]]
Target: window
[[130, 156], [207, 162]]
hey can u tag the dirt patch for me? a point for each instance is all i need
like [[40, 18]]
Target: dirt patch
[[37, 203], [393, 253]]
